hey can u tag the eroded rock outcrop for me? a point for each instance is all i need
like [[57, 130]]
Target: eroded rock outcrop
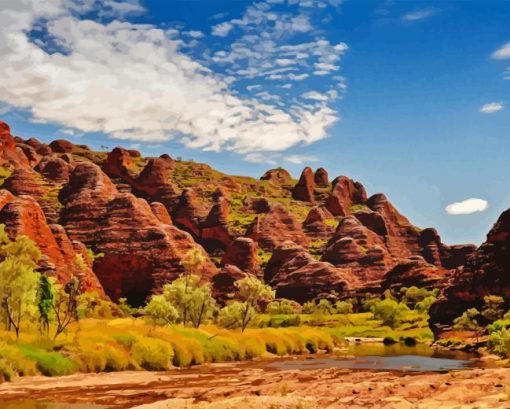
[[296, 275], [319, 223], [277, 176], [22, 215], [242, 253], [344, 194], [214, 231], [414, 271], [304, 188], [188, 212], [321, 177], [275, 228], [487, 271], [358, 248], [141, 253]]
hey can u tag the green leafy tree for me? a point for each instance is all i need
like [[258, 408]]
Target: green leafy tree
[[19, 281], [192, 299], [160, 311], [45, 302], [126, 309], [282, 306], [343, 307], [389, 311], [492, 309], [468, 321], [251, 292]]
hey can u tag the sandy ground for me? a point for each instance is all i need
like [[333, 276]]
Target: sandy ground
[[253, 385]]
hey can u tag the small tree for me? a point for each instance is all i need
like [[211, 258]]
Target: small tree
[[19, 281], [250, 292], [468, 321], [389, 311], [66, 305], [492, 309], [343, 307], [192, 300], [160, 311], [45, 302], [282, 306]]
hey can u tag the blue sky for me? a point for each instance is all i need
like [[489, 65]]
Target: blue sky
[[408, 97]]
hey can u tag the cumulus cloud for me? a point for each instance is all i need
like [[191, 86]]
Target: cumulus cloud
[[502, 53], [491, 108], [467, 206], [134, 82], [418, 15]]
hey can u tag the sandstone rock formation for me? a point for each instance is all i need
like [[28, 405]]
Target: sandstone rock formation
[[345, 193], [275, 228], [318, 223], [304, 188], [321, 177], [414, 272], [188, 212], [486, 271], [242, 253], [296, 275], [141, 253], [277, 176]]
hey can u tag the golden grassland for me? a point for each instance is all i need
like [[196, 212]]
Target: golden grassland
[[99, 345]]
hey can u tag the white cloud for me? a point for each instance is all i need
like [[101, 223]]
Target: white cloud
[[258, 157], [300, 159], [418, 15], [491, 108], [467, 206], [194, 34], [222, 29], [317, 96], [502, 53], [133, 82]]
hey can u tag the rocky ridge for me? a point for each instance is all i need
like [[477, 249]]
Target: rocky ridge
[[308, 238]]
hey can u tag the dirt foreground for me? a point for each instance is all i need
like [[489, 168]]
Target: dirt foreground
[[252, 385]]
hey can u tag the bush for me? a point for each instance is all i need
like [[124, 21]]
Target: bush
[[152, 354], [49, 363], [282, 306]]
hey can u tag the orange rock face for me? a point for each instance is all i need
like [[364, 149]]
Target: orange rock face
[[275, 228], [145, 214], [242, 253], [296, 275], [23, 216], [304, 188], [486, 271], [141, 253]]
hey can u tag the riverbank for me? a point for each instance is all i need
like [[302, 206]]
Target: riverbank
[[257, 385]]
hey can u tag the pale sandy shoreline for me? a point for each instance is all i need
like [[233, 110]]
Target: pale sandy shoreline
[[250, 385]]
